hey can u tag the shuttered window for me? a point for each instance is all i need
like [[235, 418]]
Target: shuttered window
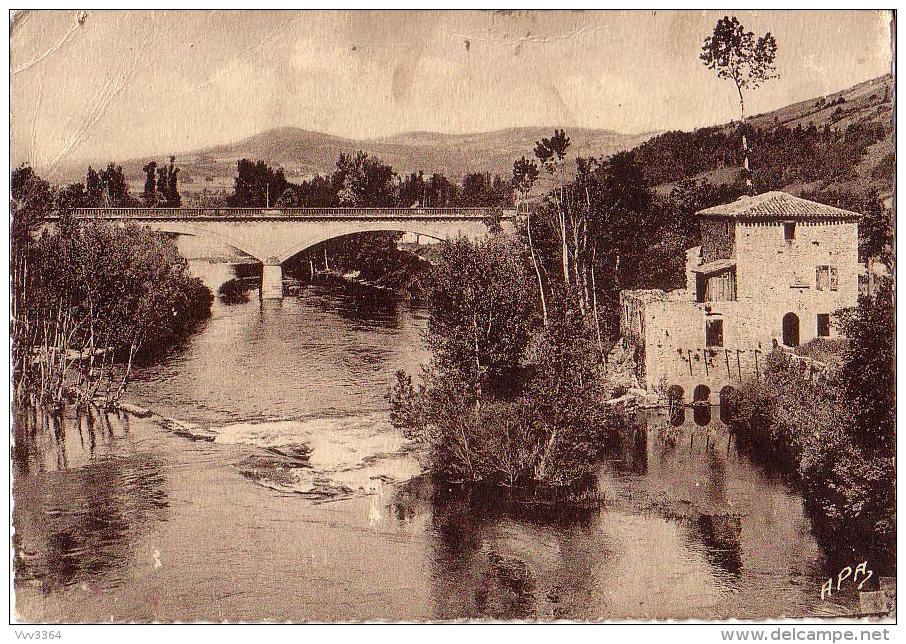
[[826, 278], [720, 287]]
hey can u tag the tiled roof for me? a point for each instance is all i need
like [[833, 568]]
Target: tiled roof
[[776, 204]]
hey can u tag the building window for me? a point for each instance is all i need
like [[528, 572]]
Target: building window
[[826, 278], [824, 325], [714, 333], [789, 230]]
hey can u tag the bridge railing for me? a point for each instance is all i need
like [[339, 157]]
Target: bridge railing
[[314, 213]]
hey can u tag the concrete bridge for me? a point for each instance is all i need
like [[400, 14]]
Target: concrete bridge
[[274, 235]]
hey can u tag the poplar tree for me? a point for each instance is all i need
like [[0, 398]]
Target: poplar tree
[[734, 53]]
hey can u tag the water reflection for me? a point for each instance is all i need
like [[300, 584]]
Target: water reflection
[[316, 354], [495, 558], [701, 414], [688, 527], [681, 534], [76, 523], [720, 536]]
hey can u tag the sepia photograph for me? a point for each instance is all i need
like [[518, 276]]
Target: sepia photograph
[[453, 316]]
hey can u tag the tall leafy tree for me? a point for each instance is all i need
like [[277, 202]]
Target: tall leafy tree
[[173, 198], [317, 192], [551, 153], [736, 54], [363, 180], [525, 174], [481, 312], [94, 191], [442, 192], [413, 190], [257, 185], [480, 190], [868, 370], [149, 195]]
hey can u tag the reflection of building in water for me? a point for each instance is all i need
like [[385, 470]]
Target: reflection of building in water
[[771, 268]]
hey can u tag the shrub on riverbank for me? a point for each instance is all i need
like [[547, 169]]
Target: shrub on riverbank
[[504, 400], [834, 437], [87, 300]]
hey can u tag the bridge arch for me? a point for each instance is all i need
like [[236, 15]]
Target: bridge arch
[[439, 230], [185, 228], [701, 394], [313, 240]]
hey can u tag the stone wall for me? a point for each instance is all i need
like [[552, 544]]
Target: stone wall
[[774, 277], [675, 350]]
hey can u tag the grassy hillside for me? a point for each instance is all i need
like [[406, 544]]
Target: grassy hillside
[[843, 141]]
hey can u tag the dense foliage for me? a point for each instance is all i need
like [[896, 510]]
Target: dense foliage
[[779, 155], [835, 436], [87, 299], [363, 180], [504, 399], [257, 185]]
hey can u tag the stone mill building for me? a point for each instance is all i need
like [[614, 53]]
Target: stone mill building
[[772, 268]]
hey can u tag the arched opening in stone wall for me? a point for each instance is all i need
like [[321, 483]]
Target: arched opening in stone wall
[[701, 394], [728, 403], [791, 330], [675, 405]]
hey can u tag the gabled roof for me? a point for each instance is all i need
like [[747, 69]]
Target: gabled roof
[[777, 205]]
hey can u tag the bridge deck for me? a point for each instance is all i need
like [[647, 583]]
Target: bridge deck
[[291, 213]]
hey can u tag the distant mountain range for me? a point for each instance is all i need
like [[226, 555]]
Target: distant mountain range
[[302, 153]]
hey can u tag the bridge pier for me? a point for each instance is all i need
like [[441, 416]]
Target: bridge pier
[[271, 281]]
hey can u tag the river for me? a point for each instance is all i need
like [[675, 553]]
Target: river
[[271, 486]]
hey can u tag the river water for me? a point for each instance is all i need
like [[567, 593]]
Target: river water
[[270, 485]]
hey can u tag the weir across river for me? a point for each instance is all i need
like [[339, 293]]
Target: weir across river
[[274, 235]]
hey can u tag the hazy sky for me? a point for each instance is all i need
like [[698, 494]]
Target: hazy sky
[[124, 84]]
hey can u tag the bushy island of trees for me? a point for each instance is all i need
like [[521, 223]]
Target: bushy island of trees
[[90, 299], [505, 400]]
